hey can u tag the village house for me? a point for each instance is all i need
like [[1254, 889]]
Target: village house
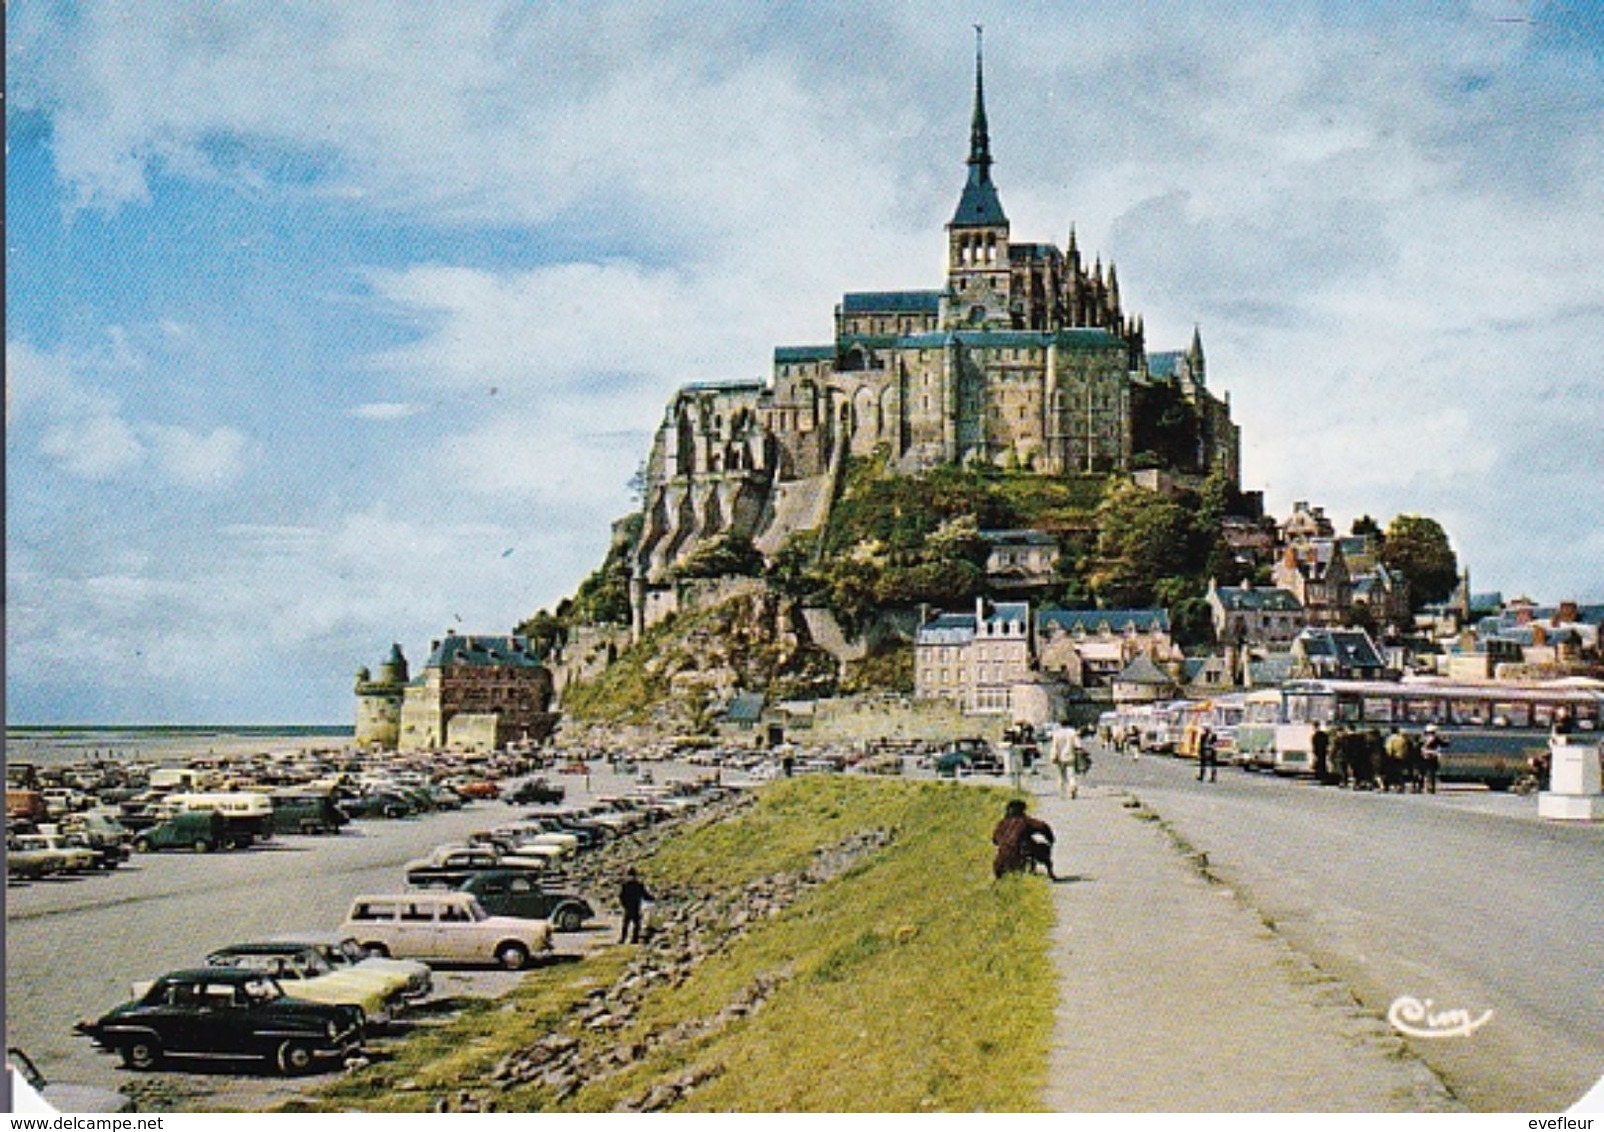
[[1254, 615]]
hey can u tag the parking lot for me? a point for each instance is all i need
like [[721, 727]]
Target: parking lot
[[76, 944]]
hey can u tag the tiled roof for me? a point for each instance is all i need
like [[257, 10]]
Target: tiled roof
[[1117, 620], [744, 707], [948, 629], [1019, 538], [1142, 670], [784, 354], [1351, 647], [1260, 599], [482, 652], [891, 302]]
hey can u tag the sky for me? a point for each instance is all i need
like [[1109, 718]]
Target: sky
[[335, 324]]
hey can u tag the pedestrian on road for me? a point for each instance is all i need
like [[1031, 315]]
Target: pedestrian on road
[[1069, 760], [1017, 837], [632, 895], [1013, 764], [1320, 746], [1431, 748], [1208, 760]]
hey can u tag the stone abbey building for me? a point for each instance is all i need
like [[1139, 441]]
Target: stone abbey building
[[1023, 358]]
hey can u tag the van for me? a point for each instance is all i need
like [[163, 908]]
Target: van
[[306, 811], [200, 830], [172, 778], [247, 816], [450, 927]]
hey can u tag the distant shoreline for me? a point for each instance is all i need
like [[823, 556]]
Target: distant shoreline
[[180, 728]]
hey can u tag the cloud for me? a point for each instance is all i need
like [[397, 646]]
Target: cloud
[[85, 432], [386, 411]]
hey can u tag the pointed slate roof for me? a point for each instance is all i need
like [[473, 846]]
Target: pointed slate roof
[[979, 206], [1142, 670]]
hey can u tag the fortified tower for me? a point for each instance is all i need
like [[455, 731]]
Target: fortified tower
[[378, 702]]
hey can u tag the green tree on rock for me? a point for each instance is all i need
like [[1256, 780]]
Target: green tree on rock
[[1418, 548]]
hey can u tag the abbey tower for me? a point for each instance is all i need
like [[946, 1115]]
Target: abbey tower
[[1024, 358]]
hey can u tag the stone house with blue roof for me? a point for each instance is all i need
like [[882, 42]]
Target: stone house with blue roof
[[479, 693], [976, 660], [1249, 615], [1025, 357], [1088, 648]]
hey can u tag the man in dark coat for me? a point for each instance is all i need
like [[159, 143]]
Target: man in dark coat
[[1021, 839], [1320, 746], [632, 895]]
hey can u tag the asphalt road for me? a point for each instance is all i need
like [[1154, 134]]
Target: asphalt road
[[1464, 899]]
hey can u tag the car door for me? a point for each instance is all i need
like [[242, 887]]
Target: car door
[[415, 931], [524, 899]]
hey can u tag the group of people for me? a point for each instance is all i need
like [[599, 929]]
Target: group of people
[[1358, 759]]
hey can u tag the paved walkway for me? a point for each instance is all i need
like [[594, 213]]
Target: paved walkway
[[1175, 996]]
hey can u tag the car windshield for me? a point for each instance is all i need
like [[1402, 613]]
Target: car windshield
[[351, 951]]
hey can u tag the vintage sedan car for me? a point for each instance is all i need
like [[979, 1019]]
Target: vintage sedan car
[[449, 927], [77, 858], [450, 864], [507, 892], [24, 863], [413, 980], [228, 1013], [305, 974]]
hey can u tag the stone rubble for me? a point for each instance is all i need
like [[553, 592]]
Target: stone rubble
[[684, 930]]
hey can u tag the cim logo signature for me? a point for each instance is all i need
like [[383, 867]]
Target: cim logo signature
[[1416, 1019]]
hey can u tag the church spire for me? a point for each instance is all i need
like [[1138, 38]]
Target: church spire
[[979, 206], [979, 135]]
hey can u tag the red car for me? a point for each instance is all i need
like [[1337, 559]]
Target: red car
[[480, 789]]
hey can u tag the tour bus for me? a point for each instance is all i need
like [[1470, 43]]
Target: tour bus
[[1221, 715], [1489, 729]]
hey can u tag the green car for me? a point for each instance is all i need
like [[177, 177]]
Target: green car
[[513, 892], [200, 830]]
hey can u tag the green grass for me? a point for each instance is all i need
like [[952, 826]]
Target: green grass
[[913, 982]]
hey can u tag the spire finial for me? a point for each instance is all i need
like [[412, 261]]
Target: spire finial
[[979, 135]]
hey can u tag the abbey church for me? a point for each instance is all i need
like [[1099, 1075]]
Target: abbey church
[[1024, 358]]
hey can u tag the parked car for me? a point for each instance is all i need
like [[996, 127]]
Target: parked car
[[200, 830], [24, 863], [536, 792], [219, 1012], [379, 804], [74, 858], [304, 973], [449, 927], [451, 864], [306, 811], [413, 979], [507, 892]]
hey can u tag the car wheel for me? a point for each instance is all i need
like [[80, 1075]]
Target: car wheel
[[512, 956], [394, 812], [202, 845], [142, 845], [568, 919], [294, 1057], [378, 950], [142, 1053]]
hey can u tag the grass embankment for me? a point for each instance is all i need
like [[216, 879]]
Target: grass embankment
[[913, 982]]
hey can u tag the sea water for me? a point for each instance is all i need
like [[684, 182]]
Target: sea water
[[66, 745]]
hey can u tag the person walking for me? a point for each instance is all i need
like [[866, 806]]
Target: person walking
[[1395, 763], [1431, 748], [632, 895], [1320, 747], [1208, 760], [1067, 755], [1017, 838]]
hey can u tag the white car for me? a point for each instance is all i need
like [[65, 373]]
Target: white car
[[450, 927]]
